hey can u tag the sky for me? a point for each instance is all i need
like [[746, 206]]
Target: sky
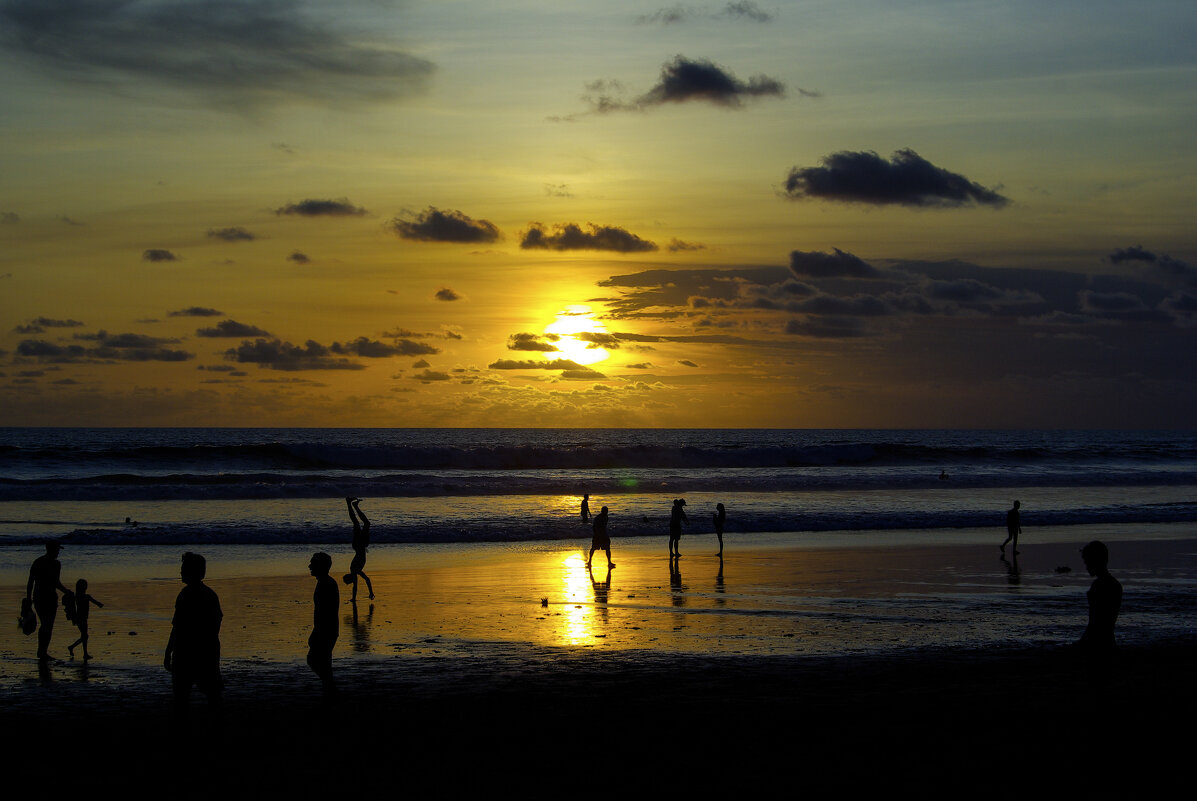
[[414, 213]]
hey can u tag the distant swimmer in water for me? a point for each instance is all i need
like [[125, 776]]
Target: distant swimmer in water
[[943, 475], [1013, 527], [601, 541], [361, 541], [719, 517], [677, 516], [586, 508]]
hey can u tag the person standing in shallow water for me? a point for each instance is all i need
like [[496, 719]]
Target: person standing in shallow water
[[361, 541], [193, 650], [586, 508], [719, 517], [1105, 601], [1013, 527], [677, 516], [45, 582], [325, 601], [601, 541]]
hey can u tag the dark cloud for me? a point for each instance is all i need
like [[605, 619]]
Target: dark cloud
[[434, 225], [828, 327], [373, 349], [906, 180], [532, 342], [298, 257], [232, 328], [429, 376], [420, 364], [529, 364], [9, 218], [68, 221], [40, 324], [676, 245], [816, 264], [570, 236], [582, 374], [446, 294], [322, 208], [686, 363], [684, 80], [118, 347], [742, 10], [158, 254], [235, 234], [1133, 253], [557, 190], [1158, 265], [195, 311], [235, 53], [278, 355], [1111, 302]]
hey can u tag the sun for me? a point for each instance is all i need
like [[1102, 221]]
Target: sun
[[571, 326]]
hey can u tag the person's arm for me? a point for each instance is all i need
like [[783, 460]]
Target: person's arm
[[32, 579], [94, 601], [170, 649]]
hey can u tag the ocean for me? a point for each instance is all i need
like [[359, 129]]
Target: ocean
[[287, 486]]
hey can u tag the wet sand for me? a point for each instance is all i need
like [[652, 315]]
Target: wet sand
[[923, 665]]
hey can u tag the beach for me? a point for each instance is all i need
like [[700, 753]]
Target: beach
[[790, 659]]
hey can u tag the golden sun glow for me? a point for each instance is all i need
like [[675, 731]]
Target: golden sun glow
[[571, 326]]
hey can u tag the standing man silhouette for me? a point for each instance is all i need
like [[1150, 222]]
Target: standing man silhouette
[[677, 516], [1013, 527], [325, 600], [1105, 601], [719, 517], [193, 650], [45, 582], [601, 539], [586, 508]]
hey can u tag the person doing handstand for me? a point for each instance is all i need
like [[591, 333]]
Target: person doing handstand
[[361, 541]]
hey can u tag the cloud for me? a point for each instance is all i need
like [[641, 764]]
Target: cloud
[[373, 349], [68, 221], [1133, 253], [40, 324], [277, 355], [828, 327], [570, 236], [676, 245], [558, 190], [9, 218], [298, 257], [311, 207], [446, 294], [233, 53], [906, 180], [430, 375], [420, 364], [686, 363], [118, 347], [195, 311], [529, 364], [684, 80], [532, 342], [232, 328], [158, 254], [840, 264], [1159, 265], [434, 225], [742, 10], [235, 234]]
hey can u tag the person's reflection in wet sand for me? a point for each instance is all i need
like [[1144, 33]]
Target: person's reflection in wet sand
[[720, 589], [677, 589], [602, 592], [1012, 573], [361, 627]]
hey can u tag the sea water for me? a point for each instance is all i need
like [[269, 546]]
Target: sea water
[[287, 486]]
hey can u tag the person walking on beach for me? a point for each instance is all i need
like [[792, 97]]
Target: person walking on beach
[[45, 582], [677, 516], [1105, 601], [586, 508], [361, 541], [601, 539], [193, 650], [719, 517], [82, 609], [1013, 527], [325, 601]]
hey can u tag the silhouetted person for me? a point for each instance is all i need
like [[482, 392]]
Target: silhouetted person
[[1105, 601], [677, 516], [83, 602], [45, 582], [601, 540], [1013, 527], [193, 650], [719, 517], [943, 475], [361, 541], [586, 508], [325, 601]]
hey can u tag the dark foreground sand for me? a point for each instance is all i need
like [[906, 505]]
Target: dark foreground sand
[[547, 722]]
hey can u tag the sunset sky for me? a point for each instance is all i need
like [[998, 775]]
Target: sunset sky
[[555, 213]]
